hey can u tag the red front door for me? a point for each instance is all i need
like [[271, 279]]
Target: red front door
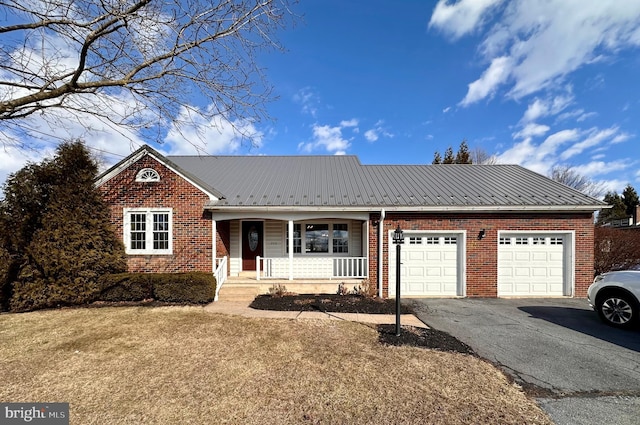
[[252, 233]]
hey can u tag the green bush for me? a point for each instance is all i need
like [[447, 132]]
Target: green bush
[[194, 287]]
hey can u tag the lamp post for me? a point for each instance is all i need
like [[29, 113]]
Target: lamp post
[[398, 240]]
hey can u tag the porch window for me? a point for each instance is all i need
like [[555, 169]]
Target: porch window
[[297, 239], [317, 238], [340, 238], [147, 231]]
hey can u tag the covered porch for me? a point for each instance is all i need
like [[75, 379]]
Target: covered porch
[[324, 246]]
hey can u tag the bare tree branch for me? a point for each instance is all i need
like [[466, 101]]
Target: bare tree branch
[[570, 177], [62, 56]]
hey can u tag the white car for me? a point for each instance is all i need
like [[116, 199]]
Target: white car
[[616, 297]]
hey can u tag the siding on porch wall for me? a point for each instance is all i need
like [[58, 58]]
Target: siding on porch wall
[[192, 227], [482, 255]]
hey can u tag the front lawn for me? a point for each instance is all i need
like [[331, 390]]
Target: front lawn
[[176, 365]]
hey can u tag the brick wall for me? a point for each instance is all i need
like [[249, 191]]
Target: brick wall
[[482, 255], [192, 241]]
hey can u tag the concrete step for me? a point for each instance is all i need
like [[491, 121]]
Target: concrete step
[[238, 292]]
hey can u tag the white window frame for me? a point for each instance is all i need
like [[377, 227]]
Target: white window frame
[[303, 236], [147, 175], [127, 212]]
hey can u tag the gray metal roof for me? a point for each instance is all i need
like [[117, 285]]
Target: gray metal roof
[[341, 181]]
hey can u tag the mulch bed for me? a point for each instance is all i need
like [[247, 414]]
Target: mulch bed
[[328, 303], [333, 303]]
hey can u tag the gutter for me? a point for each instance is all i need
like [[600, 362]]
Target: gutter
[[380, 250], [408, 208]]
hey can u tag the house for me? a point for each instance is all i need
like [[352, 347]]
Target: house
[[469, 230]]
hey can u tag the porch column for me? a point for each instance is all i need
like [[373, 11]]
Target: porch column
[[290, 249], [214, 244]]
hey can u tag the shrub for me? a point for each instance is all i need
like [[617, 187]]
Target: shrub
[[194, 287], [366, 289], [342, 289], [615, 249], [278, 290], [126, 287]]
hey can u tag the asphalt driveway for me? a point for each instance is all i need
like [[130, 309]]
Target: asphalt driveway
[[581, 367]]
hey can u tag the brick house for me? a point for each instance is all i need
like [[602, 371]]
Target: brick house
[[469, 230]]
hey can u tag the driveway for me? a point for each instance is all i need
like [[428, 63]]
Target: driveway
[[584, 371]]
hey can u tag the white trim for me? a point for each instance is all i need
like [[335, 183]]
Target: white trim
[[569, 255], [258, 215], [272, 212], [126, 229], [147, 175], [290, 227], [214, 245]]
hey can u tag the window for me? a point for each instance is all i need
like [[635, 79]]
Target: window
[[555, 241], [147, 231], [147, 175], [450, 240], [297, 239], [415, 240], [319, 238], [522, 241], [538, 241], [340, 238], [433, 240], [505, 241]]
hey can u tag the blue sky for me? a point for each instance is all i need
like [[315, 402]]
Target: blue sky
[[535, 83]]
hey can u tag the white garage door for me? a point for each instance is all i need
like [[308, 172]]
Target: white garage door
[[429, 265], [531, 264]]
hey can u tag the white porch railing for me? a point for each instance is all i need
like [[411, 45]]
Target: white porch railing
[[220, 274], [312, 268]]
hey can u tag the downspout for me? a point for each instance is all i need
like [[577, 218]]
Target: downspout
[[380, 246]]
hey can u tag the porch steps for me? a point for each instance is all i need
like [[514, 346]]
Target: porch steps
[[238, 292]]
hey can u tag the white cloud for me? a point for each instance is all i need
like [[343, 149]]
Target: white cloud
[[461, 17], [308, 99], [349, 123], [378, 130], [531, 130], [598, 168], [328, 138], [594, 137], [194, 133], [488, 83], [541, 108], [534, 45]]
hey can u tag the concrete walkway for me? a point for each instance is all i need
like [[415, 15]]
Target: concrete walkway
[[240, 308]]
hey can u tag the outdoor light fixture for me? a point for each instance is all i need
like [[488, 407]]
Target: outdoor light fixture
[[398, 236], [482, 234], [398, 240]]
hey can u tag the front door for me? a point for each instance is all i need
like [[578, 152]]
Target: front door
[[252, 233]]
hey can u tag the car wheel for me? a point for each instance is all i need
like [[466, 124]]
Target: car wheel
[[618, 310]]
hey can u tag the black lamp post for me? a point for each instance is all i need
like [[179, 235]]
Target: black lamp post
[[398, 240]]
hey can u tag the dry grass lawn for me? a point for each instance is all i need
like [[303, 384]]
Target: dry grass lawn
[[179, 365]]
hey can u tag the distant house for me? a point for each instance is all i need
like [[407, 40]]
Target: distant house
[[469, 230]]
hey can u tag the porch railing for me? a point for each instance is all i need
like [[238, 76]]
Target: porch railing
[[312, 268], [220, 274]]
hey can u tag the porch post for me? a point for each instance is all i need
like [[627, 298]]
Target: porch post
[[290, 224], [214, 238]]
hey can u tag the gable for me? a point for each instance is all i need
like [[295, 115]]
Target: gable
[[147, 158]]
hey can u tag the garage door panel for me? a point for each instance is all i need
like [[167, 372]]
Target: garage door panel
[[415, 256], [530, 265]]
